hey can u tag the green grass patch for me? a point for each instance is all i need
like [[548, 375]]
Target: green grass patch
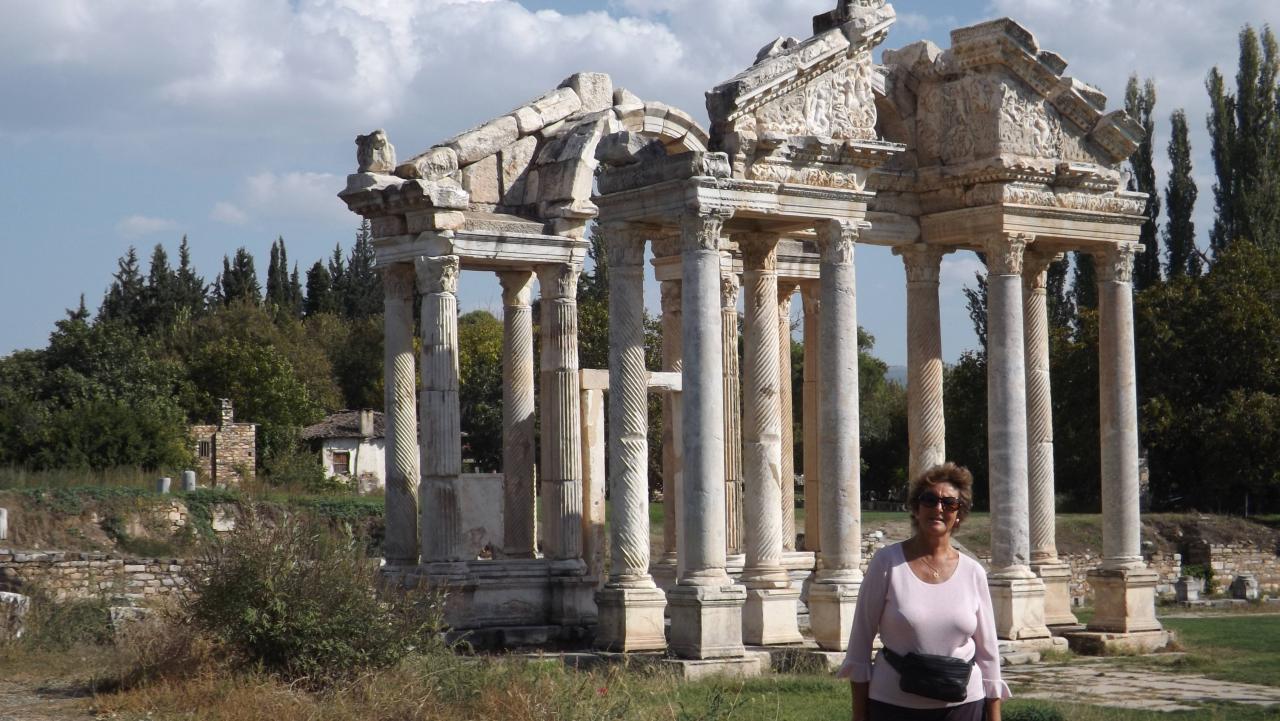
[[1244, 649]]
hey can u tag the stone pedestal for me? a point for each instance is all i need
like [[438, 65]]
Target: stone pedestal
[[1018, 605], [831, 608], [631, 619], [706, 621], [1056, 577], [1124, 600], [769, 617]]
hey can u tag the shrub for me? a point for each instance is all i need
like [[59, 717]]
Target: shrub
[[61, 625], [1035, 712], [299, 601]]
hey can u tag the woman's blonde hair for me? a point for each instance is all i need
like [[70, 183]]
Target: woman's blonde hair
[[957, 476]]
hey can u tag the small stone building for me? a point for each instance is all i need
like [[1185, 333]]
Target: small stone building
[[226, 453], [352, 446]]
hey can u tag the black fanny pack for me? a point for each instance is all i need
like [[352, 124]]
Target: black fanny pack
[[943, 678]]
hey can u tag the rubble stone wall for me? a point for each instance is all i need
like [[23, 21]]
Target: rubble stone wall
[[1229, 559], [75, 576]]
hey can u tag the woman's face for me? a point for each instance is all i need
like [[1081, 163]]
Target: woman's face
[[937, 511]]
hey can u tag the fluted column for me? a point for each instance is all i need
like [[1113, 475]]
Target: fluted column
[[520, 532], [787, 479], [1125, 588], [834, 593], [401, 383], [1016, 594], [732, 411], [561, 413], [672, 466], [440, 412], [706, 609], [926, 424], [809, 294], [1040, 497], [631, 606]]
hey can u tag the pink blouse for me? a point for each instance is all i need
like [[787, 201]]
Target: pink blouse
[[952, 618]]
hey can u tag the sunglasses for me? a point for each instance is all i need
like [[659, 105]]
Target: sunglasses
[[929, 499]]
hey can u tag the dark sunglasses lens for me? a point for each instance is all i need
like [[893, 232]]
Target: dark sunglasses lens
[[929, 500]]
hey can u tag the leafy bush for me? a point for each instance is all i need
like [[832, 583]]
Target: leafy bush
[[1035, 712], [300, 602], [58, 626]]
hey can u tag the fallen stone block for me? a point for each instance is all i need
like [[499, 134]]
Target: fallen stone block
[[13, 612]]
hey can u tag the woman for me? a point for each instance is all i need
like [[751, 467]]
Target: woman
[[924, 597]]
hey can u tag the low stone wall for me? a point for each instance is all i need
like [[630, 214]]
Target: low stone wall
[[73, 576], [1229, 559]]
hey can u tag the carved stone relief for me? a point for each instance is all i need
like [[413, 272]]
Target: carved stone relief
[[837, 104]]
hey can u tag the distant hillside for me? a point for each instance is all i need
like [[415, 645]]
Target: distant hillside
[[897, 374]]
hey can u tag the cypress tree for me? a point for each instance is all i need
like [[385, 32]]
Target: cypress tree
[[362, 284], [239, 280], [1222, 132], [190, 290], [161, 305], [124, 300], [295, 293], [1140, 101], [1180, 198], [274, 291], [319, 290]]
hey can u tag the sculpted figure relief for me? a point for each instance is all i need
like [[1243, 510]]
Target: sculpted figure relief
[[838, 104], [374, 153]]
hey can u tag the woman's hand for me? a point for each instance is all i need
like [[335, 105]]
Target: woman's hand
[[993, 709], [861, 693]]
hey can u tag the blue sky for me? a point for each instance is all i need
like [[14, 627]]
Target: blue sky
[[233, 122]]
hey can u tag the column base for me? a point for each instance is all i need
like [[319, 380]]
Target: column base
[[631, 619], [1056, 576], [769, 617], [706, 621], [831, 607], [665, 573], [1124, 600], [573, 600], [1018, 604]]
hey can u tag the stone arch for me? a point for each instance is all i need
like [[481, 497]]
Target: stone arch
[[675, 128]]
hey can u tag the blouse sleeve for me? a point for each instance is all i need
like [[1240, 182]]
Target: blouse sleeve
[[987, 653], [866, 620]]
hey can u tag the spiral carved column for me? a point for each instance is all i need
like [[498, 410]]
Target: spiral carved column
[[402, 474], [631, 606], [1040, 497], [786, 410], [520, 531], [834, 593], [809, 291], [672, 468], [440, 424], [729, 287], [561, 413], [926, 424]]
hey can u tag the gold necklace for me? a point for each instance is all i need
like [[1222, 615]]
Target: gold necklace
[[936, 573]]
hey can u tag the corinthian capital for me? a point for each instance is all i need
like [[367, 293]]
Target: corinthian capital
[[1035, 268], [1115, 262], [729, 287], [438, 274], [624, 245], [1005, 253], [701, 230], [559, 281], [836, 240], [759, 252], [398, 281], [517, 288], [922, 262]]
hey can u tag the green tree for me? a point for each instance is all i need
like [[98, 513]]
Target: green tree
[[320, 296], [1180, 198], [361, 284], [480, 387], [125, 299], [239, 281], [1084, 284], [1140, 103], [189, 291]]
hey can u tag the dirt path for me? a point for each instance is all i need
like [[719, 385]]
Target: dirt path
[[52, 701]]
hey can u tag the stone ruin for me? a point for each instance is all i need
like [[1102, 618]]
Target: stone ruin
[[812, 150]]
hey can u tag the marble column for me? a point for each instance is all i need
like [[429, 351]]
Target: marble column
[[520, 532], [1040, 497], [401, 543], [1016, 593], [809, 292], [631, 605], [926, 423], [733, 510], [706, 607], [561, 413], [672, 467], [769, 616], [440, 411], [834, 592], [1124, 587], [787, 480]]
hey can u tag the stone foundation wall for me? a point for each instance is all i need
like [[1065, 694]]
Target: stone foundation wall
[[75, 576], [1229, 559]]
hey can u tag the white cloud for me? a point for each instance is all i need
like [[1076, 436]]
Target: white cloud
[[224, 212], [297, 195], [958, 271], [135, 226]]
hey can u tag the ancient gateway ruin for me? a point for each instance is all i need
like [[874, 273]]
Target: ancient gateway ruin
[[812, 150]]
